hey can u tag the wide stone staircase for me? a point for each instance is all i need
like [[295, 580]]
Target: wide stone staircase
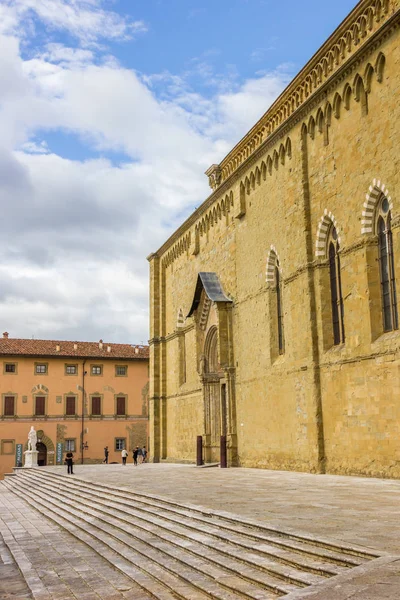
[[168, 550]]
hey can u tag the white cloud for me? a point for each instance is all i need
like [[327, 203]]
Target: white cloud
[[85, 19], [34, 147], [66, 56], [76, 233]]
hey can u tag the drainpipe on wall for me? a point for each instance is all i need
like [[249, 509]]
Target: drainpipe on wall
[[83, 407]]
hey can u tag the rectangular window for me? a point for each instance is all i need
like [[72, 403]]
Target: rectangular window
[[71, 369], [10, 368], [41, 368], [96, 405], [97, 369], [7, 446], [120, 370], [120, 443], [121, 405], [69, 445], [70, 405], [9, 406], [39, 406]]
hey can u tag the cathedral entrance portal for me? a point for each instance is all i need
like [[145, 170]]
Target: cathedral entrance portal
[[216, 366]]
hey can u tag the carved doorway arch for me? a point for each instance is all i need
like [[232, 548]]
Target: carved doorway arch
[[211, 350], [215, 413], [47, 451]]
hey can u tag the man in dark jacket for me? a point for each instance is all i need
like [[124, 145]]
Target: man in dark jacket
[[69, 459], [106, 455]]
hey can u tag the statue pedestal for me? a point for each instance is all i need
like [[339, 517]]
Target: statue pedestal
[[31, 458]]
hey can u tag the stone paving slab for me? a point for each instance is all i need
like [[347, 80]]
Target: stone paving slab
[[12, 583], [348, 510], [379, 581], [351, 510], [53, 563]]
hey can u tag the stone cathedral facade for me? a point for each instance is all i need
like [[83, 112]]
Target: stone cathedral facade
[[274, 307]]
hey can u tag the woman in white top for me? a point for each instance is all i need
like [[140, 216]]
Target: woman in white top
[[124, 455]]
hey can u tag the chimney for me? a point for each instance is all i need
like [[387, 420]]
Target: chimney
[[108, 348], [101, 344], [5, 334], [136, 350], [57, 348], [75, 346]]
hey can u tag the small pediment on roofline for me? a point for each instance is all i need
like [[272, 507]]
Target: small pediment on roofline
[[214, 176]]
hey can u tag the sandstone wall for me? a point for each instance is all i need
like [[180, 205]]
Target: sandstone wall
[[317, 406]]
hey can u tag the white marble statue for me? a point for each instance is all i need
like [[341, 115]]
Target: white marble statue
[[32, 439], [31, 455]]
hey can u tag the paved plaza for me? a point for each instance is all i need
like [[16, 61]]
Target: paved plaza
[[349, 510]]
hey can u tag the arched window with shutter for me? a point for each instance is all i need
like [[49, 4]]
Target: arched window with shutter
[[386, 266], [336, 287], [276, 321], [278, 284]]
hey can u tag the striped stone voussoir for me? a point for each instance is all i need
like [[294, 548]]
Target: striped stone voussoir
[[272, 262], [205, 312], [180, 321], [325, 223], [371, 200]]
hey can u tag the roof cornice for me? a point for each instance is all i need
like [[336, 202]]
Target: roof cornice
[[285, 126]]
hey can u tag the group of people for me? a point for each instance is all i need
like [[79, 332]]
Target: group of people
[[139, 455]]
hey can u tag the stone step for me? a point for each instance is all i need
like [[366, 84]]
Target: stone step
[[126, 563], [248, 566], [318, 551], [12, 582], [344, 555], [154, 546], [188, 551], [219, 552], [53, 563], [183, 579]]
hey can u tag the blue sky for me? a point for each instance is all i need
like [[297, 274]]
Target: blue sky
[[250, 35], [110, 113]]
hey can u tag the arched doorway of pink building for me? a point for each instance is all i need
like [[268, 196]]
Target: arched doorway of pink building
[[42, 454]]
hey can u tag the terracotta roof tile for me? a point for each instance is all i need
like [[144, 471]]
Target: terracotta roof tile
[[12, 347]]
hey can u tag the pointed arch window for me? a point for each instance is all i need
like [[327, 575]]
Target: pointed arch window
[[336, 288], [278, 284], [386, 267]]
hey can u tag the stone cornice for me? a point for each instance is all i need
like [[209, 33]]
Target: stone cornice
[[357, 28], [177, 333], [283, 129]]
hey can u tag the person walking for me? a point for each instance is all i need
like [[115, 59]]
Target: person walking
[[106, 453], [124, 455], [69, 459], [144, 454], [135, 455]]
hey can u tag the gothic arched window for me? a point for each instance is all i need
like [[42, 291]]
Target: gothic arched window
[[386, 267], [336, 288], [278, 284]]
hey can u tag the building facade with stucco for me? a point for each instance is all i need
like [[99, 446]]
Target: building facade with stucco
[[79, 397], [274, 311]]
